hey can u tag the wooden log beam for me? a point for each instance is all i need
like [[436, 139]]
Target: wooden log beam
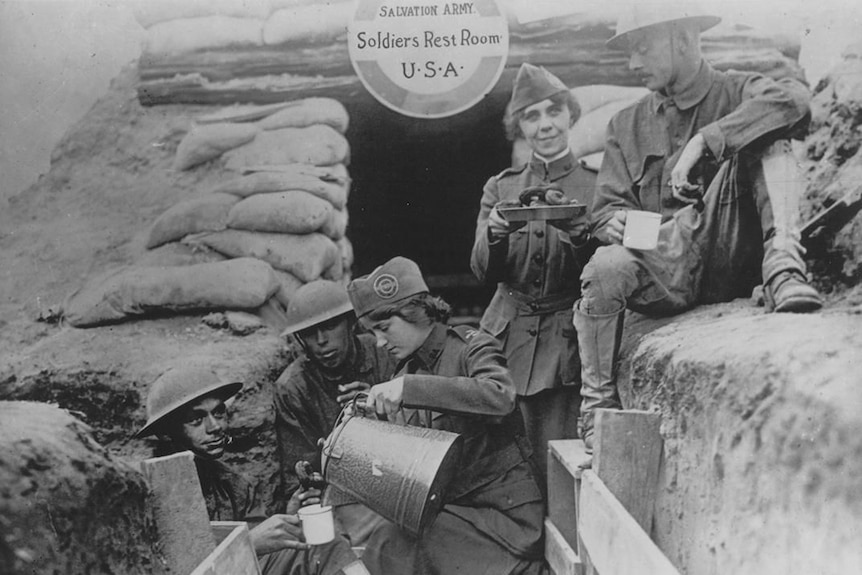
[[570, 49]]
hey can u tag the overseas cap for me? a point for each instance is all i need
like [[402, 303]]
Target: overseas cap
[[642, 15], [533, 84], [314, 303], [178, 387], [397, 279]]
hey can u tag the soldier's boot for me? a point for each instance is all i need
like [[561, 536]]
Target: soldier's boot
[[599, 339], [786, 287]]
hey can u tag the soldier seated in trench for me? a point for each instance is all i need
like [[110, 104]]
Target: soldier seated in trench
[[187, 406], [709, 152], [336, 364]]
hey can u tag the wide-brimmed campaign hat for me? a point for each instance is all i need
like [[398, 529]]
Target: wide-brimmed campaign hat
[[397, 279], [642, 15]]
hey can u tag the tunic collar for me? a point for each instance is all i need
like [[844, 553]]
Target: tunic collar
[[693, 94], [428, 353], [556, 168]]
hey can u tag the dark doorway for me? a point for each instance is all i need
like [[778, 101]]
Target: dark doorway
[[416, 189]]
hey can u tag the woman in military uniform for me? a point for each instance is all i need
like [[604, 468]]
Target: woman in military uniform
[[454, 379], [537, 266]]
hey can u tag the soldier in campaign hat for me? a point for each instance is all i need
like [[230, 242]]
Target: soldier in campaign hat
[[709, 151], [536, 265], [454, 379]]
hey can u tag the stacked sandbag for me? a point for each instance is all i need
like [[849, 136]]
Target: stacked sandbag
[[307, 131], [174, 27], [286, 205], [243, 283], [293, 216]]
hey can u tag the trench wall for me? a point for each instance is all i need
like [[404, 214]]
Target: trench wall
[[762, 428]]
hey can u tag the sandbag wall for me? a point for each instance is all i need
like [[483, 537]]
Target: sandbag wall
[[276, 221], [175, 27]]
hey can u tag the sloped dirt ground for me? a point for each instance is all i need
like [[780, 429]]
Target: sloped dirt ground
[[110, 178], [761, 421]]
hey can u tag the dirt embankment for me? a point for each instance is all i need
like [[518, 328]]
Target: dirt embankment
[[761, 417], [762, 466], [110, 178], [59, 492]]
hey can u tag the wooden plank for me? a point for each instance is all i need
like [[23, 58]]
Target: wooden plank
[[560, 556], [222, 529], [615, 542], [179, 510], [234, 555], [572, 454], [627, 451], [565, 460]]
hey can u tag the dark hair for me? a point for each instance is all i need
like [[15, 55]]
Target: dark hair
[[415, 309], [511, 120]]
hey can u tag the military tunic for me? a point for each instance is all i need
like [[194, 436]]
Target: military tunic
[[702, 258], [306, 408], [306, 405], [492, 518], [537, 270]]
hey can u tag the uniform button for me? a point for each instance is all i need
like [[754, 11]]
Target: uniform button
[[539, 259], [532, 332], [540, 233], [537, 282]]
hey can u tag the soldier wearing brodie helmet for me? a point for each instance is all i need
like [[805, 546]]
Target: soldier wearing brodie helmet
[[707, 150], [187, 405], [536, 266], [335, 365]]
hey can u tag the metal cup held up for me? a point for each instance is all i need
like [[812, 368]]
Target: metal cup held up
[[399, 471]]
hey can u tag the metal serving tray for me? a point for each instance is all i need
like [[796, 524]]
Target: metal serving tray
[[542, 213]]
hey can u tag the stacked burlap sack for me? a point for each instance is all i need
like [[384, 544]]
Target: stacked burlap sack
[[252, 239], [175, 27]]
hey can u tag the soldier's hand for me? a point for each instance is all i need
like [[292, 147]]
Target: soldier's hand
[[302, 497], [612, 232], [349, 390], [681, 188], [498, 226], [575, 227], [276, 533], [387, 397]]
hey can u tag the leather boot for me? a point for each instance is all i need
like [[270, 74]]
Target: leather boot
[[786, 287], [599, 339]]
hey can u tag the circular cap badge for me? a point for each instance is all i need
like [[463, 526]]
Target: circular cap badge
[[428, 59], [386, 286]]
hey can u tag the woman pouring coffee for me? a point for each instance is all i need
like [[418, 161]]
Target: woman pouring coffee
[[454, 379]]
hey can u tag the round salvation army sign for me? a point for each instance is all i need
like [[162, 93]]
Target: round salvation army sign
[[428, 58]]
